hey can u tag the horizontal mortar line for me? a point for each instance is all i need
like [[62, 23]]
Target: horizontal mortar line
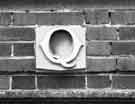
[[19, 26], [89, 41], [102, 57], [62, 90], [34, 26], [17, 42], [42, 11], [17, 57], [105, 92], [122, 74], [109, 25]]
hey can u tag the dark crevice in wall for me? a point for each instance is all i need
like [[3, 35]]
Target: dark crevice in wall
[[67, 100]]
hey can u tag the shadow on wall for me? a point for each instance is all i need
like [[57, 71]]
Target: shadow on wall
[[65, 3]]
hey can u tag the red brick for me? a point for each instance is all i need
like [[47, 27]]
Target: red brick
[[123, 17], [101, 33], [23, 82], [96, 16], [4, 82], [61, 81], [126, 63], [127, 33], [123, 48], [17, 65], [24, 19], [101, 64], [98, 81], [123, 81], [98, 48], [64, 18], [17, 34], [24, 49], [5, 18], [5, 49]]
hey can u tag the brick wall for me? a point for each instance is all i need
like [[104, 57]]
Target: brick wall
[[110, 41]]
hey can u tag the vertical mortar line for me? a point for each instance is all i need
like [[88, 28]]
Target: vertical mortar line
[[12, 49], [36, 85], [86, 83], [12, 19], [10, 83], [109, 17], [110, 77], [117, 35]]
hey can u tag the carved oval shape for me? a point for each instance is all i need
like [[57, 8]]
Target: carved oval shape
[[61, 44]]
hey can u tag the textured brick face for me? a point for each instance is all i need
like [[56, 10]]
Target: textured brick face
[[123, 48], [98, 49], [13, 65], [17, 34], [123, 82], [101, 64], [97, 81], [75, 18], [126, 63], [4, 82], [60, 81], [101, 33], [5, 18], [127, 33], [23, 82], [96, 16], [123, 17], [5, 49], [24, 49]]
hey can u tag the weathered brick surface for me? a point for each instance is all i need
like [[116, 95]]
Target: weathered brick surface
[[123, 81], [101, 64], [123, 17], [101, 33], [127, 33], [98, 81], [96, 16], [123, 48], [98, 48], [75, 18], [4, 82], [126, 63], [24, 19], [5, 49], [17, 34], [23, 82], [61, 81], [24, 49], [60, 18], [5, 18], [17, 65]]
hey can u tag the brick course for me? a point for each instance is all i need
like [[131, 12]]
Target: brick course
[[123, 48], [98, 81], [23, 82], [13, 65], [96, 16], [101, 64], [98, 49], [101, 33], [17, 34], [61, 81], [123, 82], [24, 49]]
